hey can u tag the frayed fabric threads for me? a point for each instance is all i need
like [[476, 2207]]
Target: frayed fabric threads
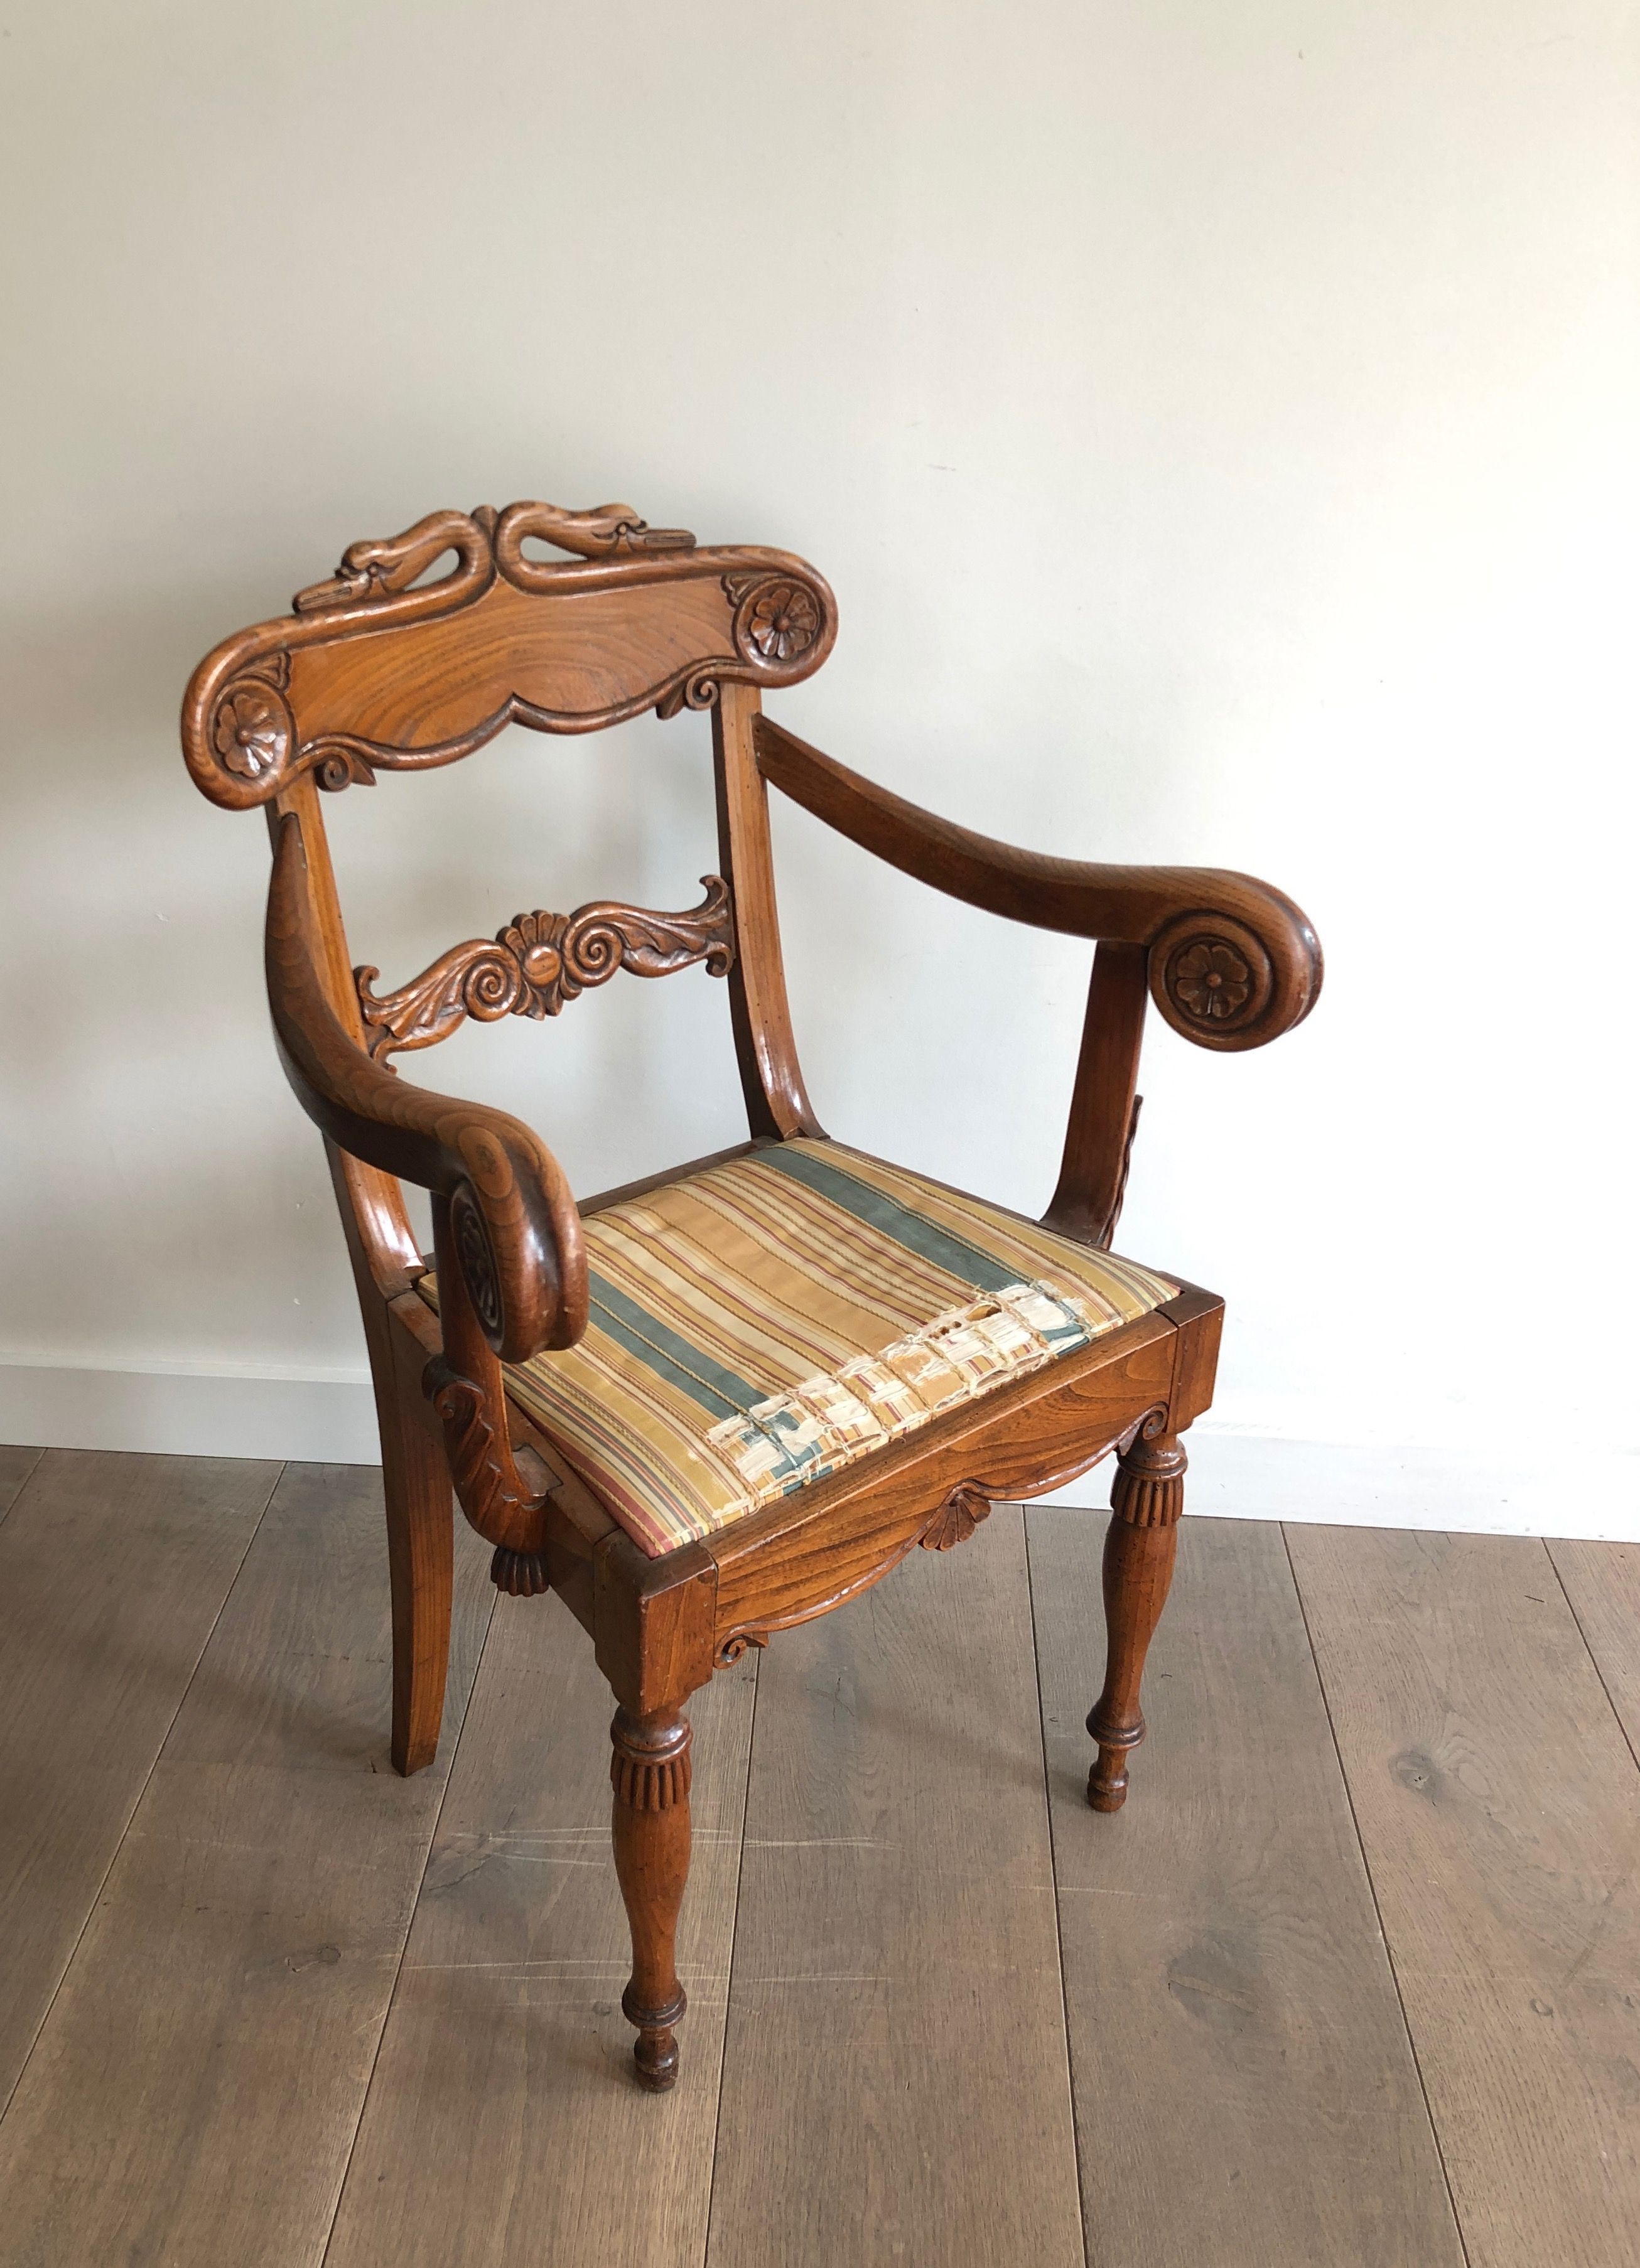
[[780, 1444]]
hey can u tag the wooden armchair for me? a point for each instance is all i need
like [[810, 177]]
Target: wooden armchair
[[715, 1403]]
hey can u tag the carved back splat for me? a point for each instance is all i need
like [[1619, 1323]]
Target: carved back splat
[[540, 961]]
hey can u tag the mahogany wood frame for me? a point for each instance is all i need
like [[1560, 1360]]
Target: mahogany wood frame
[[380, 670]]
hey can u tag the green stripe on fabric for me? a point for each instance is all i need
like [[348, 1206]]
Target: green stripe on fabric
[[890, 1218], [668, 1354]]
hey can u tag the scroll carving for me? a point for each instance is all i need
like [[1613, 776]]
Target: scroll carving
[[1211, 978], [540, 961], [477, 1260], [736, 1645], [769, 620]]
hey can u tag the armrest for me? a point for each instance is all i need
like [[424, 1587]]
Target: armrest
[[515, 1226], [1231, 962]]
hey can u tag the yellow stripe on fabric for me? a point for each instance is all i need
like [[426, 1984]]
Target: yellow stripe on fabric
[[785, 1279], [903, 1283], [784, 1224], [750, 1311], [625, 1444], [1122, 1286]]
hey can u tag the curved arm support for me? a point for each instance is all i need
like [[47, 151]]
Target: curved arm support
[[1231, 962], [514, 1224], [465, 1387]]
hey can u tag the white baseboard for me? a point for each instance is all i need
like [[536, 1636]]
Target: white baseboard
[[189, 1413], [1241, 1475], [1234, 1472]]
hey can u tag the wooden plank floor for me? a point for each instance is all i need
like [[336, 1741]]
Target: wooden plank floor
[[1245, 2088], [896, 2085], [1351, 1980]]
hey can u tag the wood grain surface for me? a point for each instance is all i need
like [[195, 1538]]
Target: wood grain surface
[[1602, 1581], [196, 2105], [895, 2084], [113, 1570], [505, 2126], [1244, 2088], [1500, 1812], [891, 2085]]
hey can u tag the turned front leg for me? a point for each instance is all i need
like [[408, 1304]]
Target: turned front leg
[[1145, 1502], [650, 1771]]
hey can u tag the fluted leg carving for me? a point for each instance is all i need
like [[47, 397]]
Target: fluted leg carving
[[650, 1771], [1145, 1502]]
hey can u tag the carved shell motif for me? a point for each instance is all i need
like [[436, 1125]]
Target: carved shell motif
[[956, 1521]]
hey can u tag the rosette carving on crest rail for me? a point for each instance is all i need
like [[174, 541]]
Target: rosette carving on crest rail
[[273, 702], [540, 961]]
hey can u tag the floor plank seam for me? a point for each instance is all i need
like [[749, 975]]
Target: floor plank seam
[[136, 1802], [414, 1903], [22, 1487], [1593, 1658], [728, 1988], [1373, 1890], [1054, 1866]]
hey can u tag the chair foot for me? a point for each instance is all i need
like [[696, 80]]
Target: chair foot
[[654, 2051], [1146, 1501], [1107, 1779], [650, 1771]]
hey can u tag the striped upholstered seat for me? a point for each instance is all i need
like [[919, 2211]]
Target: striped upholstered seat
[[769, 1320]]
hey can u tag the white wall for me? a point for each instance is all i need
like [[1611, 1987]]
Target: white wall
[[1218, 425]]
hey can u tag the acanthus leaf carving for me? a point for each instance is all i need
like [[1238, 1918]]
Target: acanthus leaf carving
[[541, 959], [484, 1478]]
